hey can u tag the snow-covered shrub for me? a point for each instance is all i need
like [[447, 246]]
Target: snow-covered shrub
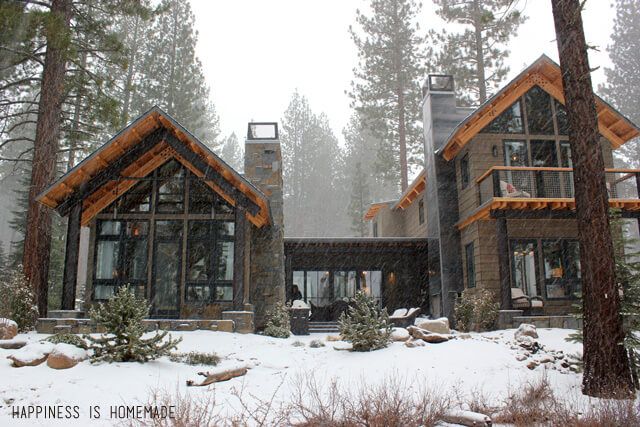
[[316, 344], [195, 358], [67, 339], [277, 324], [476, 310], [122, 317], [18, 302], [364, 325]]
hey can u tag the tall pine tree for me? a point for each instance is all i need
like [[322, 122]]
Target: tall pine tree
[[386, 89], [476, 55], [623, 80], [231, 152]]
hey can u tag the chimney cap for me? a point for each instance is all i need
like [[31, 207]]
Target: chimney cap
[[440, 83], [257, 131]]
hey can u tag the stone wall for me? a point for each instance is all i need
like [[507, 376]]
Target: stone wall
[[263, 167]]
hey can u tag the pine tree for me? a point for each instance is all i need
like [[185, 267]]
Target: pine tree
[[171, 75], [623, 80], [386, 89], [122, 317], [278, 324], [231, 152], [475, 56], [364, 325], [606, 365], [360, 200]]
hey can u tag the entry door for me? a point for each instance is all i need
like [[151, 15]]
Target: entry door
[[167, 263]]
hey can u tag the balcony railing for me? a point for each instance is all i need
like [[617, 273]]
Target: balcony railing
[[550, 183]]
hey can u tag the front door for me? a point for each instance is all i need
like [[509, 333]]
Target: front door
[[167, 263]]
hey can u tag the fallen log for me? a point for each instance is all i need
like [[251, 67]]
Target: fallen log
[[217, 377]]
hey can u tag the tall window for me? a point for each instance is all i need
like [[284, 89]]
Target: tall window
[[421, 211], [523, 266], [510, 121], [192, 250], [470, 263], [464, 171]]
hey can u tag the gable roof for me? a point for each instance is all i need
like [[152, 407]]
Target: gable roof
[[149, 141], [408, 196], [545, 73]]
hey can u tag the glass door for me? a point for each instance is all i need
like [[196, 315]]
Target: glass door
[[523, 266], [544, 154], [167, 263]]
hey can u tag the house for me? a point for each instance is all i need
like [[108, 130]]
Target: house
[[499, 192]]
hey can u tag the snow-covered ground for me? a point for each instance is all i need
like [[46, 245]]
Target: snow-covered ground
[[484, 362]]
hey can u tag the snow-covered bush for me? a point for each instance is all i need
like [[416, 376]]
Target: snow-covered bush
[[122, 317], [277, 324], [18, 302], [364, 325], [67, 339], [476, 310], [195, 358]]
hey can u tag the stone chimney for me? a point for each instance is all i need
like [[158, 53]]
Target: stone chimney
[[440, 117], [263, 168]]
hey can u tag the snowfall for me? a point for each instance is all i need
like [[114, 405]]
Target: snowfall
[[483, 362]]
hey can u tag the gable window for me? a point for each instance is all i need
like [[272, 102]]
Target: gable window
[[464, 171], [510, 121], [539, 115], [470, 266], [562, 119], [421, 211]]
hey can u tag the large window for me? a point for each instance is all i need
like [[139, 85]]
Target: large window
[[322, 287], [557, 259], [421, 211], [510, 121], [192, 250]]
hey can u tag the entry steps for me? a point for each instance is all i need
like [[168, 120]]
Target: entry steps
[[323, 327]]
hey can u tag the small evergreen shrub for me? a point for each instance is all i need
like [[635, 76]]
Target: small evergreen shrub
[[476, 311], [122, 317], [195, 358], [297, 344], [67, 339], [17, 300], [316, 344], [278, 325], [364, 325]]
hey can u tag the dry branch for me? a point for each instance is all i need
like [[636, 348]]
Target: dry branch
[[211, 378]]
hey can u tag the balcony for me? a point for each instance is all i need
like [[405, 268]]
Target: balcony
[[546, 189]]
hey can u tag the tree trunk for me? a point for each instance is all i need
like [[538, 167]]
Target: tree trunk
[[402, 136], [606, 367], [37, 241], [130, 72], [482, 86]]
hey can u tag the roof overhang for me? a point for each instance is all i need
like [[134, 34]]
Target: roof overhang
[[545, 73], [373, 210], [413, 191], [148, 142]]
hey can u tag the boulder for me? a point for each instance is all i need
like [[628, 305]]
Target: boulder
[[334, 337], [65, 356], [399, 334], [532, 365], [31, 355], [417, 333], [8, 329], [526, 330], [12, 344], [435, 338], [412, 342], [438, 326]]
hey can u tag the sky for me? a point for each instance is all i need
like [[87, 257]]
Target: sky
[[255, 53]]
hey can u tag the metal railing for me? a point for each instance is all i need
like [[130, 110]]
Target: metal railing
[[550, 183]]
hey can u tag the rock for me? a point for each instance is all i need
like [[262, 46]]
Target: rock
[[546, 359], [574, 368], [12, 344], [417, 333], [465, 336], [31, 354], [521, 357], [466, 418], [399, 334], [435, 338], [532, 364], [565, 364], [65, 356], [8, 329], [528, 343], [438, 326], [526, 330], [412, 342], [334, 337]]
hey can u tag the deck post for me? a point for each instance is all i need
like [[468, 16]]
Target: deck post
[[70, 274], [495, 175], [503, 261]]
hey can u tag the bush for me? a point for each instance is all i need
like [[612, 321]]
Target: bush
[[364, 325], [316, 344], [476, 310], [195, 358], [278, 325], [67, 339], [122, 317], [18, 301]]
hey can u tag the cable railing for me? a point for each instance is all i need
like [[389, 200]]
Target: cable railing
[[550, 183]]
